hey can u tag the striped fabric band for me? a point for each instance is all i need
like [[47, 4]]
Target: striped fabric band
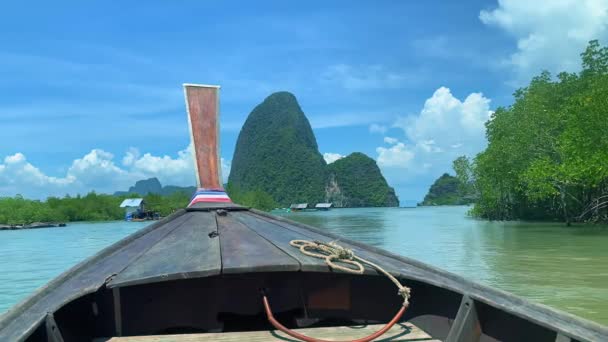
[[209, 195]]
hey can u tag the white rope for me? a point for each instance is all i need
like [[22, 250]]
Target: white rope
[[331, 252]]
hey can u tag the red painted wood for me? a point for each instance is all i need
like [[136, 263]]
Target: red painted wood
[[203, 112]]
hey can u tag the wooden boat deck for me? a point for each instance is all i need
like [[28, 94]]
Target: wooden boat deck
[[237, 242], [398, 333]]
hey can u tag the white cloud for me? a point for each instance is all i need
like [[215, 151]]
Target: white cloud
[[364, 77], [390, 140], [331, 157], [397, 155], [97, 171], [375, 128], [445, 121], [457, 145], [445, 128], [130, 156], [550, 35], [17, 172], [428, 146]]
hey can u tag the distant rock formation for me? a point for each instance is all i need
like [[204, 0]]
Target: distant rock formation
[[153, 186], [356, 181], [446, 190]]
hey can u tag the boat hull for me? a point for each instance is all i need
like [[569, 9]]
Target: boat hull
[[203, 270]]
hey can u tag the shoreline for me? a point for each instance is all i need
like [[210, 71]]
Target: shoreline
[[34, 225]]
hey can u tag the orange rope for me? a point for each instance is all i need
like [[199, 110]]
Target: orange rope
[[305, 338]]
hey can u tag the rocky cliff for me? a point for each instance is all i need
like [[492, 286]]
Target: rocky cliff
[[277, 154]]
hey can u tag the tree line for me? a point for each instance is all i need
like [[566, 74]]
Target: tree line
[[91, 207], [547, 153]]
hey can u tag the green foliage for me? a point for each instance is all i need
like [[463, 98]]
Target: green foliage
[[464, 172], [360, 183], [257, 199], [547, 154], [276, 153], [167, 204], [92, 207], [447, 190]]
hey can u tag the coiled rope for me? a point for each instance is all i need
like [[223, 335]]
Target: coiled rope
[[334, 255]]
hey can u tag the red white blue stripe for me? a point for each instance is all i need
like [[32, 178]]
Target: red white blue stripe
[[209, 196]]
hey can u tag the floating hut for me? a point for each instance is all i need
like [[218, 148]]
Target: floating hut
[[134, 207], [298, 206], [323, 206]]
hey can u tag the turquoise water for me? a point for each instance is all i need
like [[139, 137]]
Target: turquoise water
[[32, 257], [564, 267]]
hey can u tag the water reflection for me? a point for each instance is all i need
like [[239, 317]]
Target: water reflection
[[564, 267]]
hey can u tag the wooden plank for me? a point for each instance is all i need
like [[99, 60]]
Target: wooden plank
[[187, 252], [312, 235], [280, 237], [399, 332], [243, 250]]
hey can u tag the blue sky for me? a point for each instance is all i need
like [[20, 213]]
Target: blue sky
[[91, 97]]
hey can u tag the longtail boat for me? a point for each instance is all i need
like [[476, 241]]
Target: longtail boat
[[218, 271]]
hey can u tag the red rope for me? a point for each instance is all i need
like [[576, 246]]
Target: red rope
[[299, 336]]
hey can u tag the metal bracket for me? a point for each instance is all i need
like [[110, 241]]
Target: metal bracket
[[466, 326], [52, 330]]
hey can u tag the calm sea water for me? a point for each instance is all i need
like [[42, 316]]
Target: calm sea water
[[564, 267]]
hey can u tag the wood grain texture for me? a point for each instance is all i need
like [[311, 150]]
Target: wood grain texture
[[187, 252], [316, 236], [280, 237], [399, 332], [243, 250], [203, 113]]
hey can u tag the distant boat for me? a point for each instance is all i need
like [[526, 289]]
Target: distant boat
[[218, 271]]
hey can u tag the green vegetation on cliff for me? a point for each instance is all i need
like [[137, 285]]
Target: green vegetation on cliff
[[276, 153], [356, 181], [257, 199], [277, 161], [446, 190], [547, 153]]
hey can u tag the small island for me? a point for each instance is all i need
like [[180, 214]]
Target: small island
[[446, 190]]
